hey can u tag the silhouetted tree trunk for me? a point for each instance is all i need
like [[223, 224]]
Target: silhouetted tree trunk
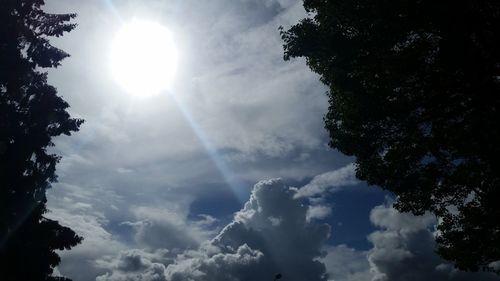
[[31, 114]]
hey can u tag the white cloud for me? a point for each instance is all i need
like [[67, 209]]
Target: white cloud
[[251, 106], [161, 228], [261, 115], [318, 212], [347, 264], [290, 247], [329, 182], [211, 263], [252, 247], [78, 263], [135, 265]]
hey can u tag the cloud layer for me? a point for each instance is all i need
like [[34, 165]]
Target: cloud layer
[[274, 232], [129, 178]]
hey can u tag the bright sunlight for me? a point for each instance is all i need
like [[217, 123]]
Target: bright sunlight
[[143, 58]]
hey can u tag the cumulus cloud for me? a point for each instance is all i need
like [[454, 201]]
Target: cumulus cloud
[[347, 264], [78, 263], [135, 265], [212, 263], [82, 209], [161, 228], [404, 249], [273, 225], [97, 214], [318, 212], [269, 235], [329, 182]]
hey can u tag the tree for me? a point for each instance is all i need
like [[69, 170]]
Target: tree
[[31, 114], [414, 95]]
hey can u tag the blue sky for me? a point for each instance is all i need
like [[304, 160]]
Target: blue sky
[[178, 186]]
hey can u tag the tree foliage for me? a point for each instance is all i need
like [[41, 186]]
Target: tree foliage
[[31, 114], [414, 94]]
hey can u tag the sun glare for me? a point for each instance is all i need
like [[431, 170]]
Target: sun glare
[[143, 58]]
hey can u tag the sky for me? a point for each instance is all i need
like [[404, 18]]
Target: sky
[[227, 175]]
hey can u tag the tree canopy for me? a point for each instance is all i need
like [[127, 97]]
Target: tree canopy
[[31, 114], [414, 95]]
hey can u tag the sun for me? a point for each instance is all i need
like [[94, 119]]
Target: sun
[[143, 58]]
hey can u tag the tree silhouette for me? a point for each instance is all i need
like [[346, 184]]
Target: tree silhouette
[[414, 94], [31, 114]]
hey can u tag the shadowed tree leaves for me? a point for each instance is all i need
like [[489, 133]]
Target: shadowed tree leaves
[[31, 114], [414, 94]]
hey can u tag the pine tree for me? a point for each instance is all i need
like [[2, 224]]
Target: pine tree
[[31, 114], [414, 94]]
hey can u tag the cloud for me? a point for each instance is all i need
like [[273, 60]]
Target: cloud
[[78, 263], [347, 264], [212, 263], [329, 182], [135, 265], [169, 229], [404, 249], [109, 224], [262, 116], [269, 235], [274, 224], [318, 212], [253, 107]]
